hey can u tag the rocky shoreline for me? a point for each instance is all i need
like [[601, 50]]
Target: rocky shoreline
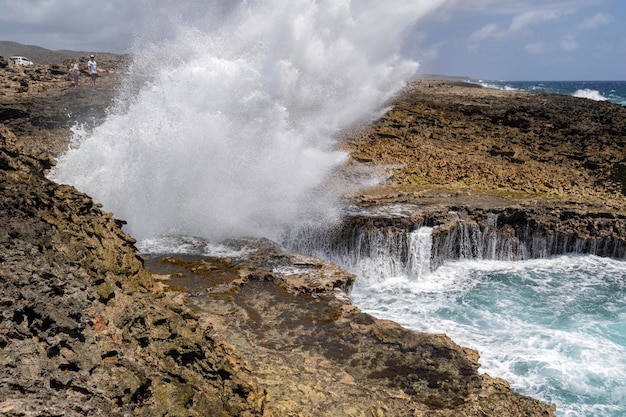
[[88, 327]]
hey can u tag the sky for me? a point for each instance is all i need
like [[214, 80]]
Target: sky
[[483, 39]]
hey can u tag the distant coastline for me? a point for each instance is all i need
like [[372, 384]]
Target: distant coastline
[[609, 91], [38, 54], [613, 91]]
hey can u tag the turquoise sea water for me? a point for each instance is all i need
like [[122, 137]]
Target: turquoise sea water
[[613, 91], [554, 328]]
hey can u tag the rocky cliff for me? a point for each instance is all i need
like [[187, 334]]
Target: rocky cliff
[[83, 331], [523, 175], [86, 329]]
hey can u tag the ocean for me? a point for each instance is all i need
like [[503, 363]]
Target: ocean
[[554, 328], [612, 91], [227, 127]]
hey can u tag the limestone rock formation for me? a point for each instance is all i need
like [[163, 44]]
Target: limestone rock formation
[[545, 169], [40, 105], [316, 354], [82, 330], [451, 138], [85, 329]]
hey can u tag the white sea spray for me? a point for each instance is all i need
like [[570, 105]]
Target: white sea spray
[[589, 94], [227, 124]]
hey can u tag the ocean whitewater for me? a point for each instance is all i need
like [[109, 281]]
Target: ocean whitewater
[[227, 126], [555, 328], [612, 91]]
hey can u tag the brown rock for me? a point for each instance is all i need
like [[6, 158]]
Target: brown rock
[[81, 331], [502, 143], [84, 330], [315, 354], [40, 104]]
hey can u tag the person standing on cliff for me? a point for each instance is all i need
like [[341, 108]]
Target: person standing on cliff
[[92, 67], [75, 71]]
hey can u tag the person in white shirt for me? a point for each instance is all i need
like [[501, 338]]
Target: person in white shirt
[[93, 69]]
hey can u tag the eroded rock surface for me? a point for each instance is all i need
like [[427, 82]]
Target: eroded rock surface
[[83, 332], [86, 330], [456, 139], [544, 169], [318, 355], [40, 104]]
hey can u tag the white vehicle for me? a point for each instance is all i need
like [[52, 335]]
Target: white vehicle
[[20, 60]]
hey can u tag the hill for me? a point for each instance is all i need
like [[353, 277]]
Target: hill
[[36, 54]]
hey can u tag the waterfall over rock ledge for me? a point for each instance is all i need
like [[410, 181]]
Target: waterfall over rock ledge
[[389, 243]]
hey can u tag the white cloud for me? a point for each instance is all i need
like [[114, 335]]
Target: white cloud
[[537, 48], [541, 47], [534, 17], [487, 31], [490, 31], [599, 19], [569, 43]]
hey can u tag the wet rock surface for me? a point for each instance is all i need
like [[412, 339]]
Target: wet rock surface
[[316, 354], [86, 330]]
